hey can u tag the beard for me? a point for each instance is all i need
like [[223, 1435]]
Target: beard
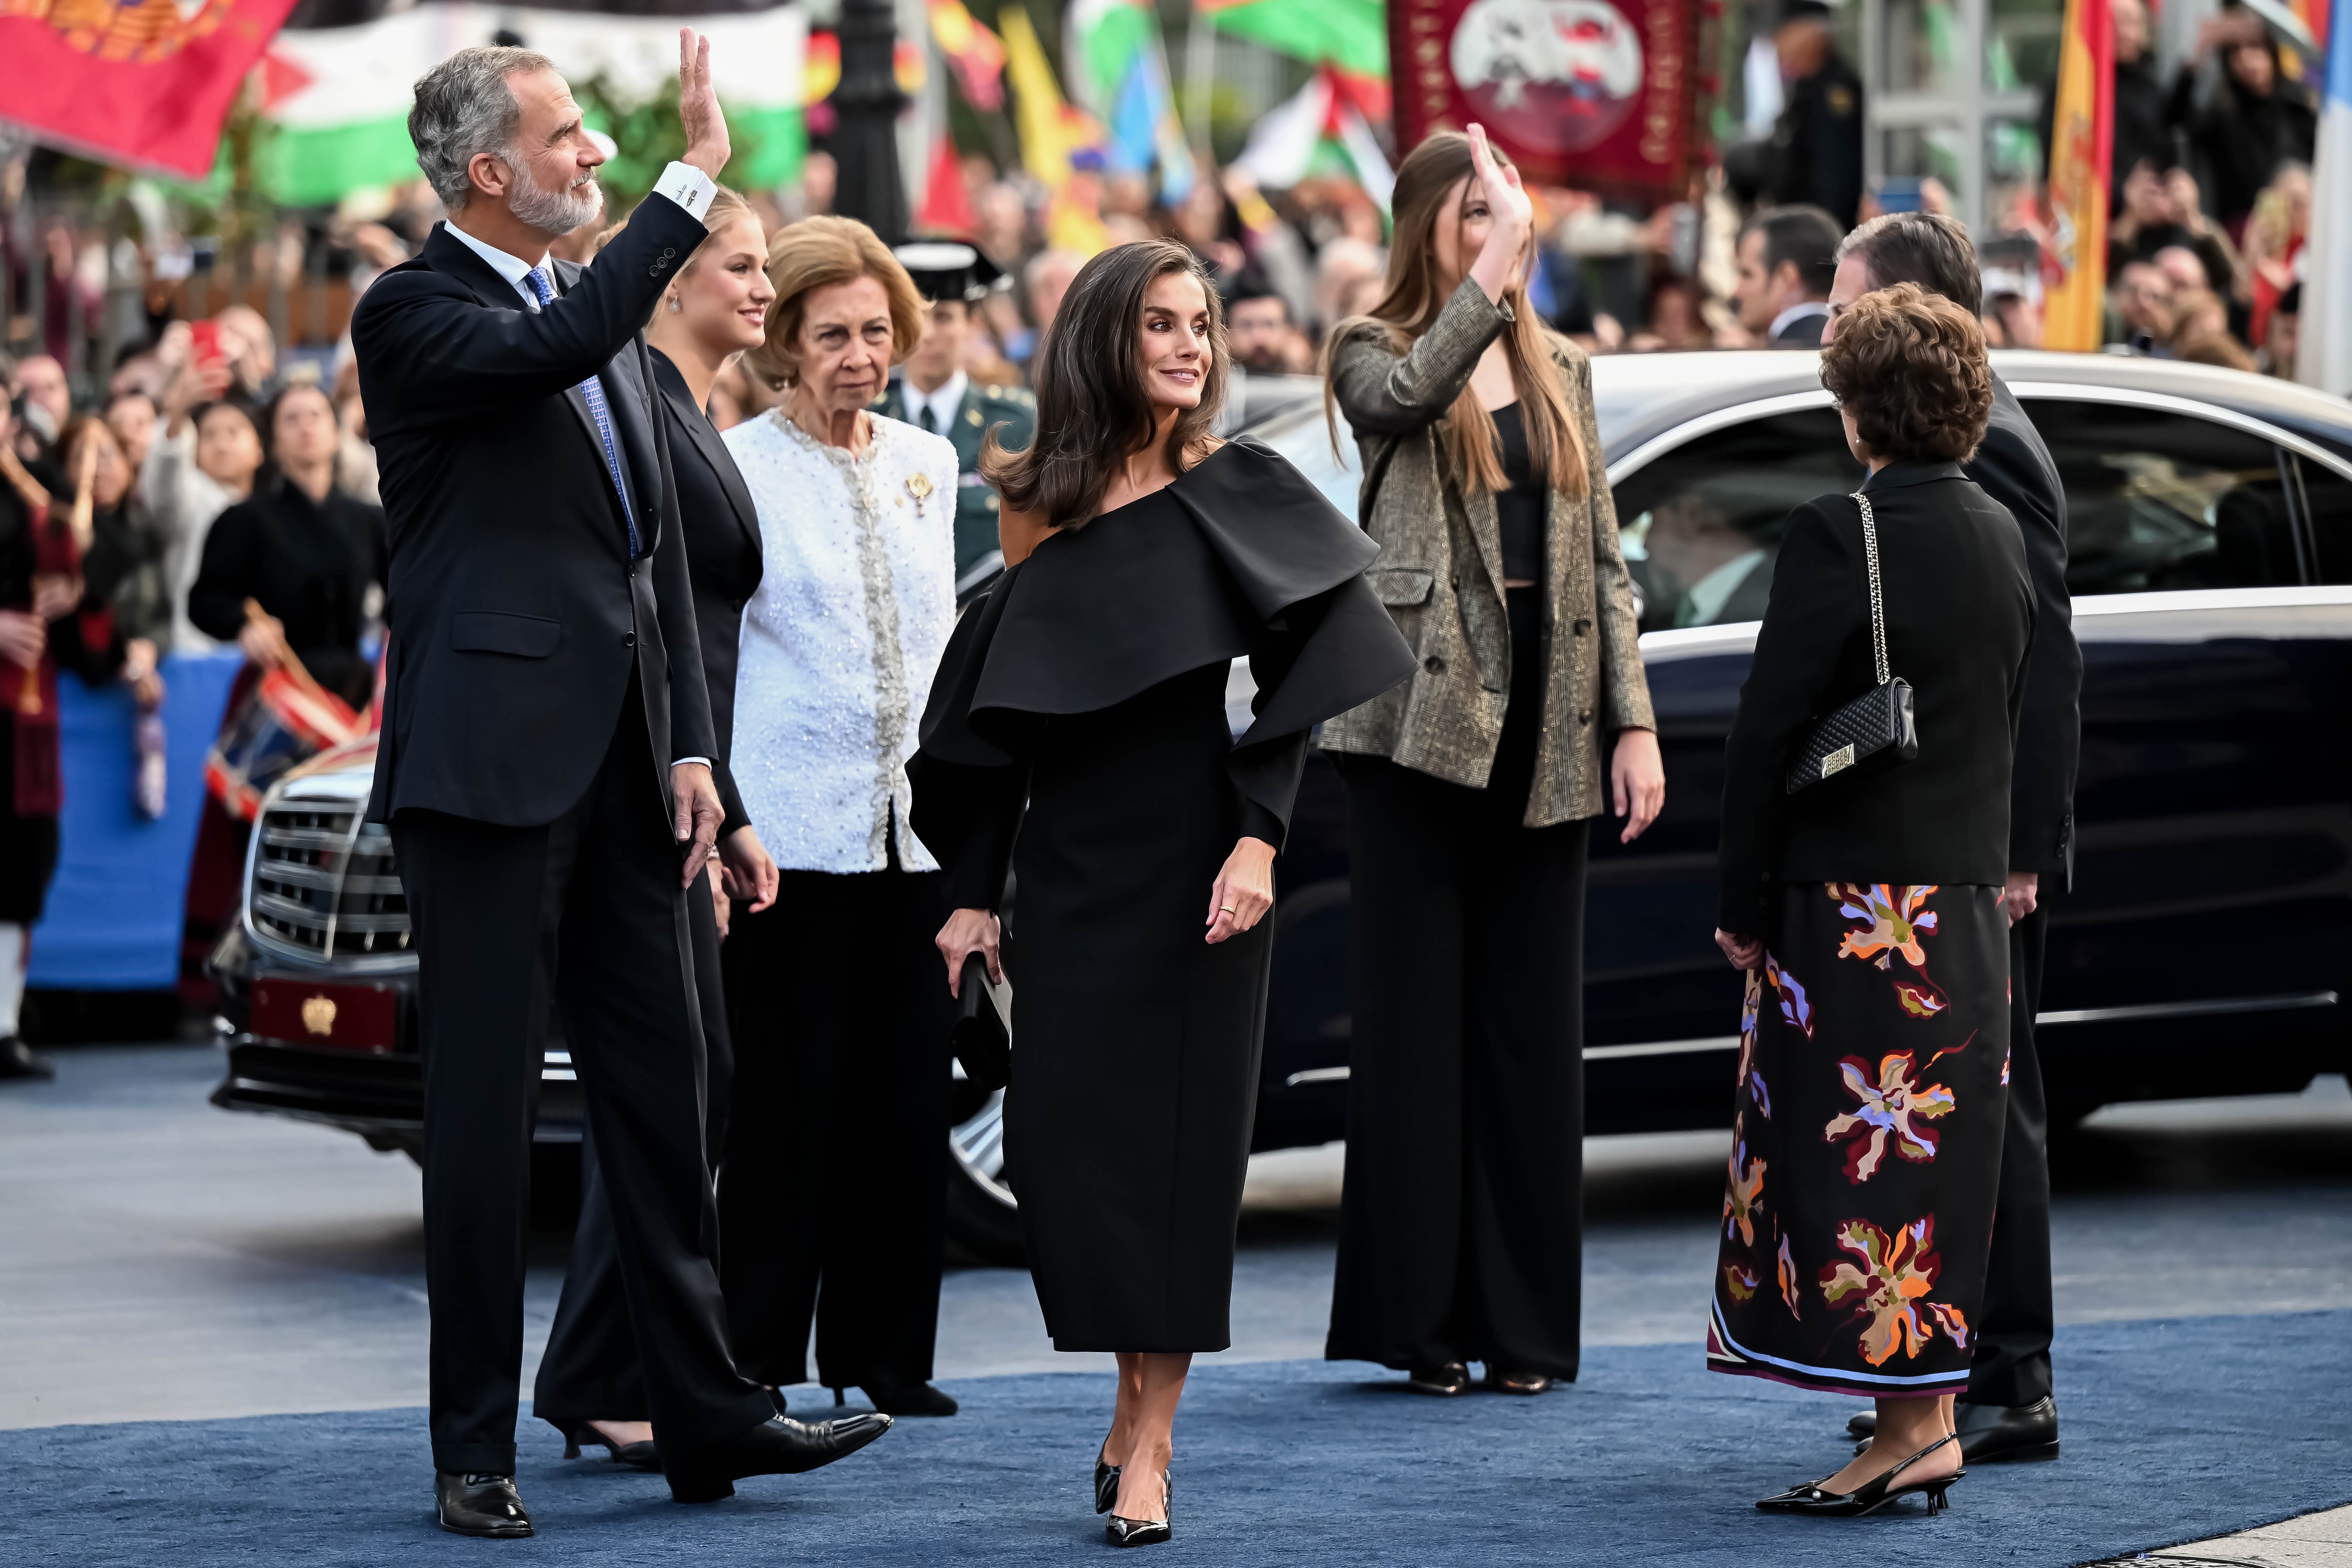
[[555, 213]]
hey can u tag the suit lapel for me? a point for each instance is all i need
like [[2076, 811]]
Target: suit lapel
[[715, 455], [628, 404]]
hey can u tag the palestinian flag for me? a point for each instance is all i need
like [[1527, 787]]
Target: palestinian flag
[[339, 96], [1322, 131], [1352, 34]]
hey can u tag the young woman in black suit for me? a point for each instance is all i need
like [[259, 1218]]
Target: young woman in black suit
[[1082, 706], [590, 1385], [1864, 896]]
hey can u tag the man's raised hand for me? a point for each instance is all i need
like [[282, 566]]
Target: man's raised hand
[[698, 106]]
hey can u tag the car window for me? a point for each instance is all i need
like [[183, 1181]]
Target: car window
[[2328, 494], [2157, 501], [1701, 525]]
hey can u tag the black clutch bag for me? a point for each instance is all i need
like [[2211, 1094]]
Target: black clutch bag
[[1873, 727], [982, 1036]]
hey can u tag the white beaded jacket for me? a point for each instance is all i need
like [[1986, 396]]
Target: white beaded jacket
[[855, 601]]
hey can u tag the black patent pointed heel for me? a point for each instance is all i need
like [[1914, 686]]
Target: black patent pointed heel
[[1105, 1484], [1123, 1531], [578, 1434], [1872, 1495]]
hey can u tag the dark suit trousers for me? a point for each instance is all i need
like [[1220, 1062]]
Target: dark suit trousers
[[834, 1189], [2012, 1365], [591, 901], [589, 1371]]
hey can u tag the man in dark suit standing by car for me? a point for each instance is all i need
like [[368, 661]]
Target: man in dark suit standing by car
[[2008, 1411], [1788, 257], [544, 762]]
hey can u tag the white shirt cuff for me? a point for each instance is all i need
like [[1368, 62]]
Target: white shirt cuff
[[689, 186], [683, 761]]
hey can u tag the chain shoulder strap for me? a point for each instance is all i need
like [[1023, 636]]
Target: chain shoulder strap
[[1877, 608]]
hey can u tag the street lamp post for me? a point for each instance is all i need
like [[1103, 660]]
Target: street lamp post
[[867, 101]]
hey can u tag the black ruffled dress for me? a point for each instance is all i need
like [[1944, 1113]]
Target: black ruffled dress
[[1090, 685]]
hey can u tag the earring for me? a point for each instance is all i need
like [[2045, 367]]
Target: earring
[[673, 305]]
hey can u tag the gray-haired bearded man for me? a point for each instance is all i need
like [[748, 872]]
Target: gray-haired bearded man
[[544, 762]]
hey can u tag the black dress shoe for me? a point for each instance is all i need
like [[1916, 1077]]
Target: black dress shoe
[[17, 1060], [909, 1399], [1868, 1498], [1502, 1381], [779, 1447], [477, 1504], [1990, 1433], [579, 1435], [1444, 1381]]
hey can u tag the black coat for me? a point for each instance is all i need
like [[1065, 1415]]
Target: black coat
[[309, 563], [2014, 466], [722, 559], [1959, 619], [1817, 143], [517, 617]]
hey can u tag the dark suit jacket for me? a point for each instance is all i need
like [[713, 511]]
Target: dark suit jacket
[[516, 617], [1959, 618], [1804, 332], [2014, 467], [722, 559]]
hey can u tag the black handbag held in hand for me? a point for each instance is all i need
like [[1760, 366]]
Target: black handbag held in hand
[[982, 1038], [1876, 724]]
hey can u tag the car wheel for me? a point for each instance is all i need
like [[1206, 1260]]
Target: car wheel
[[984, 1218]]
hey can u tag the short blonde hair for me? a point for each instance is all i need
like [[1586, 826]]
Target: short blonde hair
[[817, 253]]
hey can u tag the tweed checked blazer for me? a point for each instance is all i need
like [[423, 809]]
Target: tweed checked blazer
[[1440, 574]]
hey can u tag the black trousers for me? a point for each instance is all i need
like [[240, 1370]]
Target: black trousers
[[1461, 1231], [2012, 1365], [833, 1192], [591, 902], [590, 1371]]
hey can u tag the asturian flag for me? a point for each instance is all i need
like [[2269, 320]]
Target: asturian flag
[[2324, 349]]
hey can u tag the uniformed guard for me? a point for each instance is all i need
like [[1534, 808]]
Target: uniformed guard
[[1817, 145], [932, 392]]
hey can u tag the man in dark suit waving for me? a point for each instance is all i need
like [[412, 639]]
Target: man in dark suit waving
[[544, 759], [2010, 1410]]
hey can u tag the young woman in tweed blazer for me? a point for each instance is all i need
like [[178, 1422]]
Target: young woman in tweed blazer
[[1470, 791]]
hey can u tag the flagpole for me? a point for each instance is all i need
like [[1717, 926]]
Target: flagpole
[[2324, 347], [869, 186]]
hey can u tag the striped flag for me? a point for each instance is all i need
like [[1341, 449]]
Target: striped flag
[[339, 97], [2324, 343], [1118, 69], [1321, 131], [2082, 138]]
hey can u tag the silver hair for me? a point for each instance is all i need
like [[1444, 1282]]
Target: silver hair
[[464, 107]]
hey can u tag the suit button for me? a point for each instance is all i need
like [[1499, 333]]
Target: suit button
[[1432, 664], [628, 639], [1582, 626]]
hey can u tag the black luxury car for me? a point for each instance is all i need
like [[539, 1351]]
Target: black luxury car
[[2202, 951]]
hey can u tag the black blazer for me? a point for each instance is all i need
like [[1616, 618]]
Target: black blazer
[[722, 559], [1960, 617], [516, 617], [2014, 466], [308, 565], [1804, 332]]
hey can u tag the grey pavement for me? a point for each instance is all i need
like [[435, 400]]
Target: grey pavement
[[161, 1260]]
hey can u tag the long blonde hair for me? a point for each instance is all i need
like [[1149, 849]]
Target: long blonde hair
[[1410, 307]]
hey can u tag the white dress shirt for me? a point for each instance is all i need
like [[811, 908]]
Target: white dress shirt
[[684, 183], [942, 403], [857, 597]]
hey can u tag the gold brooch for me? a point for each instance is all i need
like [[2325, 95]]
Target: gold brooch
[[919, 486]]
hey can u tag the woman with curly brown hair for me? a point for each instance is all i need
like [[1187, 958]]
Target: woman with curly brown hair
[[1861, 893]]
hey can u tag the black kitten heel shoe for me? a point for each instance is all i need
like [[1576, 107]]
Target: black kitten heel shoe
[[1872, 1495], [1121, 1532], [579, 1435]]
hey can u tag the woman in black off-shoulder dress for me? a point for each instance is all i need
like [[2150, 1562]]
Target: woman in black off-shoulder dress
[[1090, 686]]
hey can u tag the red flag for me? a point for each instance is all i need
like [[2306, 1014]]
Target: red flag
[[130, 81], [946, 205]]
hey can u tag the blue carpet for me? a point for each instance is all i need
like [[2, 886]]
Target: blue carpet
[[2174, 1431]]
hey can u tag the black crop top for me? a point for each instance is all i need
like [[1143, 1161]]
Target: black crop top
[[1521, 510]]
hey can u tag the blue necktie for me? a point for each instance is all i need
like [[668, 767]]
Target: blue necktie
[[593, 391]]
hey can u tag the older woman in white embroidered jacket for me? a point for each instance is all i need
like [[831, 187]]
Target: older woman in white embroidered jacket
[[840, 1024]]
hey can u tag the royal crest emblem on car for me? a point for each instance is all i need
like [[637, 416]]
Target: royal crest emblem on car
[[318, 1015]]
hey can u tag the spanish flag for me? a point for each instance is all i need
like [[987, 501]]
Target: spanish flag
[[2082, 142]]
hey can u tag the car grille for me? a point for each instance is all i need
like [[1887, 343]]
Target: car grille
[[324, 885]]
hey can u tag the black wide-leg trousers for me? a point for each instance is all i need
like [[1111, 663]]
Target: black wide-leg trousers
[[590, 901], [589, 1371], [2012, 1365], [833, 1196], [1461, 1231]]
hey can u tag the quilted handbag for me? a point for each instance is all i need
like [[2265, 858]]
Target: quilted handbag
[[1876, 724]]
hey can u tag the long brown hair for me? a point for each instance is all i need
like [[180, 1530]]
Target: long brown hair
[[1093, 412], [1410, 307]]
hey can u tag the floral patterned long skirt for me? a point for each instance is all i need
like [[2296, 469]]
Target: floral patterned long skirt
[[1874, 1067]]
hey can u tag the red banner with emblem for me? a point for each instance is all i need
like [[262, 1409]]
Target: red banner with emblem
[[141, 82], [1602, 95]]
